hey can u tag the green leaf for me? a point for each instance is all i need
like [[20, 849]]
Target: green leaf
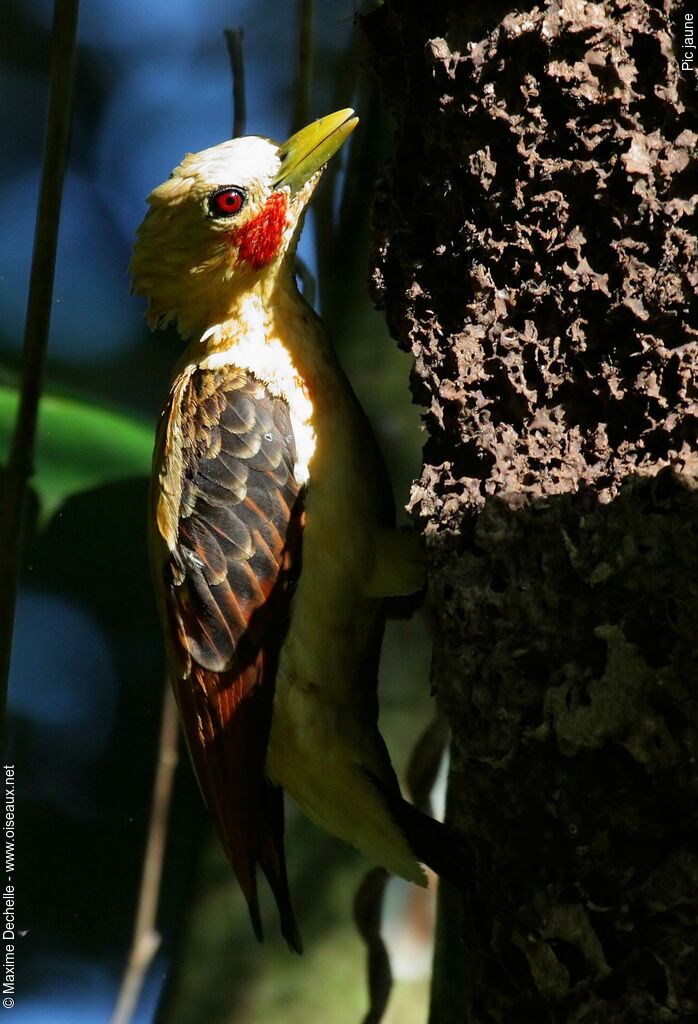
[[79, 446]]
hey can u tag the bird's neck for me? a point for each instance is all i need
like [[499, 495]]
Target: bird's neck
[[262, 319]]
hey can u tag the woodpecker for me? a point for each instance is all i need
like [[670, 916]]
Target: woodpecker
[[272, 522]]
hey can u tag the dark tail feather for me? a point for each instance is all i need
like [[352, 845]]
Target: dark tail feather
[[249, 815], [221, 728], [272, 861], [433, 843]]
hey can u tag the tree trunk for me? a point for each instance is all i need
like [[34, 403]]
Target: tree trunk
[[535, 250]]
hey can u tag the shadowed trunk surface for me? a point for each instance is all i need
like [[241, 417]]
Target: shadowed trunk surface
[[535, 249]]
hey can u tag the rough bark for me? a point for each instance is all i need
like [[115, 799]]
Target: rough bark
[[536, 250]]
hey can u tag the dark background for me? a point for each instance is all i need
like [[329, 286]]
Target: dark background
[[153, 82]]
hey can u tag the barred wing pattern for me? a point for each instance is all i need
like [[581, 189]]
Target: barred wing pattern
[[228, 587]]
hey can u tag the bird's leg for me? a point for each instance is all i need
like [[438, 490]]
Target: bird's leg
[[400, 564]]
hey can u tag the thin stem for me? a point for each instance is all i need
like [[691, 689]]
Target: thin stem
[[233, 40], [306, 279], [304, 78], [146, 938], [20, 463], [326, 241], [451, 977], [368, 914]]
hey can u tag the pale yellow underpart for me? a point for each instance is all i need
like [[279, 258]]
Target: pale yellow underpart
[[271, 364]]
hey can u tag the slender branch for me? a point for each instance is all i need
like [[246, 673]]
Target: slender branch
[[307, 280], [146, 938], [451, 973], [20, 463], [234, 38], [326, 241], [368, 914], [304, 78]]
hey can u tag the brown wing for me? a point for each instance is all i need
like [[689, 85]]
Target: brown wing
[[228, 583]]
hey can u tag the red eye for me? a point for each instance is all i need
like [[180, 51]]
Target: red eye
[[225, 202]]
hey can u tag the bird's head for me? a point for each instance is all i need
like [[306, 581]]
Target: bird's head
[[226, 220]]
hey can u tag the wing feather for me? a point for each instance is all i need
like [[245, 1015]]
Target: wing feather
[[228, 582]]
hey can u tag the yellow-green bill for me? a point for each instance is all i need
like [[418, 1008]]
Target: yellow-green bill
[[310, 148]]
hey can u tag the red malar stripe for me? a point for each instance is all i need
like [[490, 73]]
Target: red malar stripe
[[258, 241]]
